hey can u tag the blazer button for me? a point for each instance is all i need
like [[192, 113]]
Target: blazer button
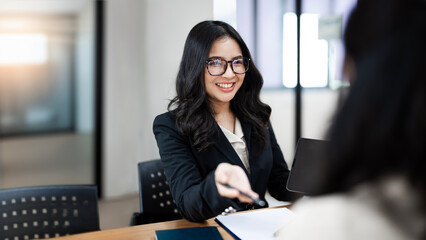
[[229, 210], [249, 206]]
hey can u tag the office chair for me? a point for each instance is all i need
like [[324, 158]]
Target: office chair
[[156, 201], [47, 211]]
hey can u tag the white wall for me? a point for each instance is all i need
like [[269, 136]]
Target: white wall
[[144, 44], [124, 91], [282, 118], [318, 106]]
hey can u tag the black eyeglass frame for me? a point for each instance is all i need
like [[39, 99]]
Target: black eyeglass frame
[[227, 63]]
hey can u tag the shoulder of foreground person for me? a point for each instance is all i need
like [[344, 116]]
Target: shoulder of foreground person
[[338, 217]]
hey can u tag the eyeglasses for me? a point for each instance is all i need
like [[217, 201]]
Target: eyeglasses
[[218, 66]]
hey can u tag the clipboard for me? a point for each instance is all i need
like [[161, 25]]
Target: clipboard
[[255, 224]]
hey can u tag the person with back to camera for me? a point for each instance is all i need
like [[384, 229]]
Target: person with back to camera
[[374, 184], [219, 130]]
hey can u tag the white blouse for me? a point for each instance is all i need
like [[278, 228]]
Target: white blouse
[[238, 142]]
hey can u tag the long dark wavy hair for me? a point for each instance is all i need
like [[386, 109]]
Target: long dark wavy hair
[[194, 113], [381, 127]]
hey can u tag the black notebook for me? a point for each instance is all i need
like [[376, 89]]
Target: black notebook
[[195, 233]]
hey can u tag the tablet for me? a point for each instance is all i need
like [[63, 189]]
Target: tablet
[[305, 174]]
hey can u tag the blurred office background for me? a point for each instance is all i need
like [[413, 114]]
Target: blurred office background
[[82, 80], [46, 92]]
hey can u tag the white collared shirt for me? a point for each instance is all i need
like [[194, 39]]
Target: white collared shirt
[[238, 142]]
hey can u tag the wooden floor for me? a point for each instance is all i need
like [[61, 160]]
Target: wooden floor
[[115, 213]]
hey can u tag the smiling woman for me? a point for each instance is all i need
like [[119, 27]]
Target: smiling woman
[[217, 130]]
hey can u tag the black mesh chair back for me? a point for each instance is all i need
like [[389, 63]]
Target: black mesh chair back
[[156, 201], [47, 211]]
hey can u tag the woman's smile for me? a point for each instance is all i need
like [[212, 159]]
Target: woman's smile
[[226, 87]]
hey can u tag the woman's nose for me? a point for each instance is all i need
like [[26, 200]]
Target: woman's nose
[[229, 73]]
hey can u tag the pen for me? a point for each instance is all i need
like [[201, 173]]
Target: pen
[[255, 200]]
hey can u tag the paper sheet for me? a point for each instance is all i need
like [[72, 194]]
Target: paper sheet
[[258, 224]]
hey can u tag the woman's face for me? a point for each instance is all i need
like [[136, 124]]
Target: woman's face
[[222, 89]]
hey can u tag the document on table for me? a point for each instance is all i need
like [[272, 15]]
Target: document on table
[[257, 224]]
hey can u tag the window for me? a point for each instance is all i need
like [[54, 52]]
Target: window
[[23, 49], [270, 31]]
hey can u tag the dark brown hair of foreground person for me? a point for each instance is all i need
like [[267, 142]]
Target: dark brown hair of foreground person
[[380, 129]]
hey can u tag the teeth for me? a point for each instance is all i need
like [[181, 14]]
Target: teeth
[[222, 85]]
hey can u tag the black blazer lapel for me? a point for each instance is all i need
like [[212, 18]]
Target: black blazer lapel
[[247, 136], [253, 146]]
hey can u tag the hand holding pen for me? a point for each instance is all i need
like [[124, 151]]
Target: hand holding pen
[[257, 201], [232, 182]]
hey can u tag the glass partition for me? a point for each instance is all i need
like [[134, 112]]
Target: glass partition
[[47, 92]]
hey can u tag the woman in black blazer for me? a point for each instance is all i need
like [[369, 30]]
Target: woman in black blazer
[[217, 129]]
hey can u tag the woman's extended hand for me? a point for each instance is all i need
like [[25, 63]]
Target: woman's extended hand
[[235, 176]]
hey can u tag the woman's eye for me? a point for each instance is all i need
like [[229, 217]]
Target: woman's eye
[[237, 61], [216, 62]]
